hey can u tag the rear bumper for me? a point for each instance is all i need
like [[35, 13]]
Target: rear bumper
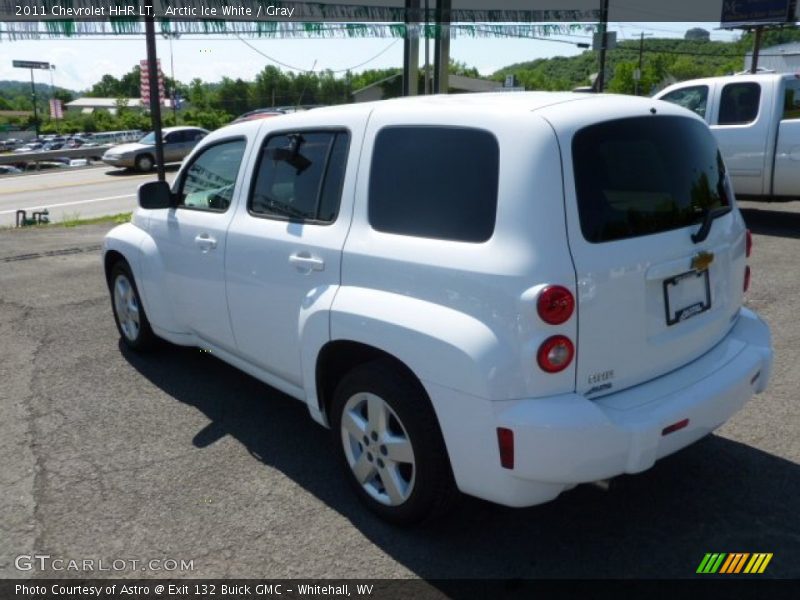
[[564, 440]]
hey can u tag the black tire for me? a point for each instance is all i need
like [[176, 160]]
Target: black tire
[[125, 297], [431, 489], [145, 163]]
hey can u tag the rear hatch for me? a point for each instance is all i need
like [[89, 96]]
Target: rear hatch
[[650, 297]]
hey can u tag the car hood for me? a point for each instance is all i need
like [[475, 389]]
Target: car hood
[[128, 148]]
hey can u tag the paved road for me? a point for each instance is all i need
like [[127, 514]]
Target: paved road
[[107, 454], [70, 193]]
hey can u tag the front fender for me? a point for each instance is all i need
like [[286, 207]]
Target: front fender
[[438, 343], [140, 251]]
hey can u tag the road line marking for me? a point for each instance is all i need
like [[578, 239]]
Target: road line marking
[[49, 206], [51, 187]]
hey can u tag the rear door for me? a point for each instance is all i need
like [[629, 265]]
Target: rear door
[[285, 245], [787, 151], [650, 299]]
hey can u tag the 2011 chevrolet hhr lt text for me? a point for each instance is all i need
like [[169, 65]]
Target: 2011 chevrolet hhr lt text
[[502, 294]]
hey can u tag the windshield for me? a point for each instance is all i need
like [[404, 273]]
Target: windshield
[[646, 175], [150, 138]]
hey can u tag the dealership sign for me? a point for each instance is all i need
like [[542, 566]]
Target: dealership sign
[[740, 13]]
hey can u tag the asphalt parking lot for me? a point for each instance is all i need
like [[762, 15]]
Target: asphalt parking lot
[[110, 455]]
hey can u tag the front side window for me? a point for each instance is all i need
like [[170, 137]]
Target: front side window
[[641, 176], [210, 180], [739, 103], [434, 182], [299, 176], [695, 98], [791, 100]]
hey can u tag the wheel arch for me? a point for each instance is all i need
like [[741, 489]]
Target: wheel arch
[[338, 357]]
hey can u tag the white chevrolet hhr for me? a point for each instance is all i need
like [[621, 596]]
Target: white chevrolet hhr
[[502, 294]]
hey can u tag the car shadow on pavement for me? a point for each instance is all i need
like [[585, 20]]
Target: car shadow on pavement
[[716, 496], [772, 222]]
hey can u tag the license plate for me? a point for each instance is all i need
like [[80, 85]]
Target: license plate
[[687, 295]]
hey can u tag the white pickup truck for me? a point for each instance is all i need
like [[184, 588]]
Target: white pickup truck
[[756, 120]]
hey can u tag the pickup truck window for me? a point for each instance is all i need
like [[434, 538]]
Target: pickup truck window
[[791, 104], [434, 182], [739, 103], [641, 176], [209, 181], [299, 176], [695, 98]]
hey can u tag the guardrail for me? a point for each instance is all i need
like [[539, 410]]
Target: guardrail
[[28, 157]]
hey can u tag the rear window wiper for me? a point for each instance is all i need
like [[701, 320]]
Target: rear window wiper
[[709, 214]]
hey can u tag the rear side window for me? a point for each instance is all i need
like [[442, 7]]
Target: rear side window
[[641, 176], [434, 182], [738, 103], [791, 100], [695, 98], [299, 176]]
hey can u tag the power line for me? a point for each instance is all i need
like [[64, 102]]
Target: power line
[[275, 60]]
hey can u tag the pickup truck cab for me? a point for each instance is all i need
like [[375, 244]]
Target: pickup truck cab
[[756, 120], [502, 294]]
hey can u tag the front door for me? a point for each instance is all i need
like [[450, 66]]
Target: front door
[[191, 240]]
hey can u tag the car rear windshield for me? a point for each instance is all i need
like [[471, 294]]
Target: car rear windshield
[[645, 175]]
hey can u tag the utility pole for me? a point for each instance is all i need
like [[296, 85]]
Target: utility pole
[[155, 100], [603, 28], [53, 95], [759, 30], [411, 49], [427, 89], [35, 110], [637, 76]]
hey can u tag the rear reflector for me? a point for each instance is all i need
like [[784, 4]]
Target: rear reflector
[[747, 278], [675, 427], [555, 354], [505, 441]]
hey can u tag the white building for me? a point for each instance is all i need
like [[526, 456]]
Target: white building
[[89, 105], [784, 58]]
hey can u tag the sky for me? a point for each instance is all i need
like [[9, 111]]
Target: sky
[[82, 61]]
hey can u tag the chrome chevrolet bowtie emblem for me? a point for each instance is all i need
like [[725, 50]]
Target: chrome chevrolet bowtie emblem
[[702, 260]]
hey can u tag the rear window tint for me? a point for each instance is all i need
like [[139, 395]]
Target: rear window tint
[[434, 182], [645, 175]]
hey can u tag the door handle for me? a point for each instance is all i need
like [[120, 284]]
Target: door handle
[[306, 262], [206, 242]]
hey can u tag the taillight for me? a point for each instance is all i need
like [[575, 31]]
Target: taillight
[[747, 278], [555, 354], [555, 304], [748, 248], [505, 442]]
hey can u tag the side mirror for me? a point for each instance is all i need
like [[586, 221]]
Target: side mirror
[[155, 194]]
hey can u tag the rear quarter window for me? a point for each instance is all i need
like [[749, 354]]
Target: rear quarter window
[[434, 182], [645, 175]]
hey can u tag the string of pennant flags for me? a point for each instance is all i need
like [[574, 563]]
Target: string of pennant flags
[[309, 20]]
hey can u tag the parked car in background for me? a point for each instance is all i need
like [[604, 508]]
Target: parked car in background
[[261, 113], [756, 120], [141, 155], [9, 170], [502, 294], [32, 147]]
